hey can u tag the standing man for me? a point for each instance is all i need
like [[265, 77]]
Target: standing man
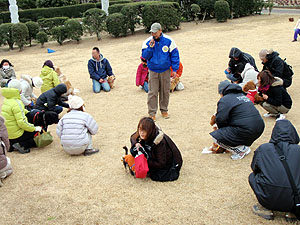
[[99, 68], [161, 53]]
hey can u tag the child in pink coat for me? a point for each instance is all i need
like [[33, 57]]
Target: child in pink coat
[[142, 75]]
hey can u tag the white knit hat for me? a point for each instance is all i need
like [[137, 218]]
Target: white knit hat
[[75, 102], [14, 83], [37, 82]]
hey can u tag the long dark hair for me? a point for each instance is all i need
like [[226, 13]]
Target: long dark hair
[[4, 61], [266, 78], [147, 124]]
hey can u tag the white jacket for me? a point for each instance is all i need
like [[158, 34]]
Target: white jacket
[[73, 128], [297, 25], [27, 89], [248, 74]]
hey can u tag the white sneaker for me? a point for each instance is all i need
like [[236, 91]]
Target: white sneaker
[[246, 150], [270, 115], [280, 117]]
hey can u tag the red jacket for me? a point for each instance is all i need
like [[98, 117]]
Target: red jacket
[[179, 71], [141, 75]]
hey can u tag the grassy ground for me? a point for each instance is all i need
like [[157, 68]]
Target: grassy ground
[[50, 187]]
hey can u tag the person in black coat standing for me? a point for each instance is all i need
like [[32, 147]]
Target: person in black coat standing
[[239, 123], [49, 100], [269, 180], [278, 68]]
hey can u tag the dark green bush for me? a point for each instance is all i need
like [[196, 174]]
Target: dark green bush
[[33, 28], [60, 34], [242, 7], [132, 15], [162, 12], [4, 5], [195, 10], [258, 6], [116, 8], [222, 10], [116, 24], [207, 7], [74, 29], [6, 35], [94, 21], [48, 23], [26, 4], [42, 37], [20, 34], [72, 11], [55, 3]]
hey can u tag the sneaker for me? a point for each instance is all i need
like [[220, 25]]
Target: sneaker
[[90, 151], [290, 217], [153, 117], [263, 212], [165, 115], [280, 117], [18, 147], [246, 150], [270, 115], [294, 40]]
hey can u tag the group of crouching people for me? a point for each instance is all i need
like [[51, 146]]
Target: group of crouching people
[[237, 123]]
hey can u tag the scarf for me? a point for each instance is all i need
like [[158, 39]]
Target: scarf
[[264, 89]]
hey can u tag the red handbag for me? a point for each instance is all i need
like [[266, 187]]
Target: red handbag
[[141, 166]]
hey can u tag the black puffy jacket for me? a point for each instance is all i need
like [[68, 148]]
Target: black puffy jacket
[[278, 68], [238, 120], [52, 98], [243, 58], [269, 180]]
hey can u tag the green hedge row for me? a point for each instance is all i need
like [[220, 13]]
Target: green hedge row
[[71, 11]]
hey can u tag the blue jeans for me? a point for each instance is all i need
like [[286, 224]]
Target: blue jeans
[[297, 31], [58, 109], [145, 87], [97, 86]]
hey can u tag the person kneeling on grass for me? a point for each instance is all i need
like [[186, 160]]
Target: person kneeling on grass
[[161, 152], [276, 99], [75, 129], [239, 123], [49, 100], [269, 179], [5, 164], [99, 69], [142, 74], [21, 133]]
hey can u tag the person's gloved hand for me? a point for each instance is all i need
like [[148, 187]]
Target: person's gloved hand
[[38, 128]]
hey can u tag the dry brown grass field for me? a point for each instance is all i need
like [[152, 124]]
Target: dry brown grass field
[[50, 187]]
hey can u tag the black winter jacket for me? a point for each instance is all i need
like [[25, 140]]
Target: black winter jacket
[[243, 58], [239, 122], [52, 98], [277, 68], [269, 180]]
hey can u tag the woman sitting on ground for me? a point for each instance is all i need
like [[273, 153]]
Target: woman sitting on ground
[[7, 72], [276, 99], [20, 132], [159, 149], [49, 76]]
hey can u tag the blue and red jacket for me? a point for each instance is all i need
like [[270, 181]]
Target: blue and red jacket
[[162, 56]]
